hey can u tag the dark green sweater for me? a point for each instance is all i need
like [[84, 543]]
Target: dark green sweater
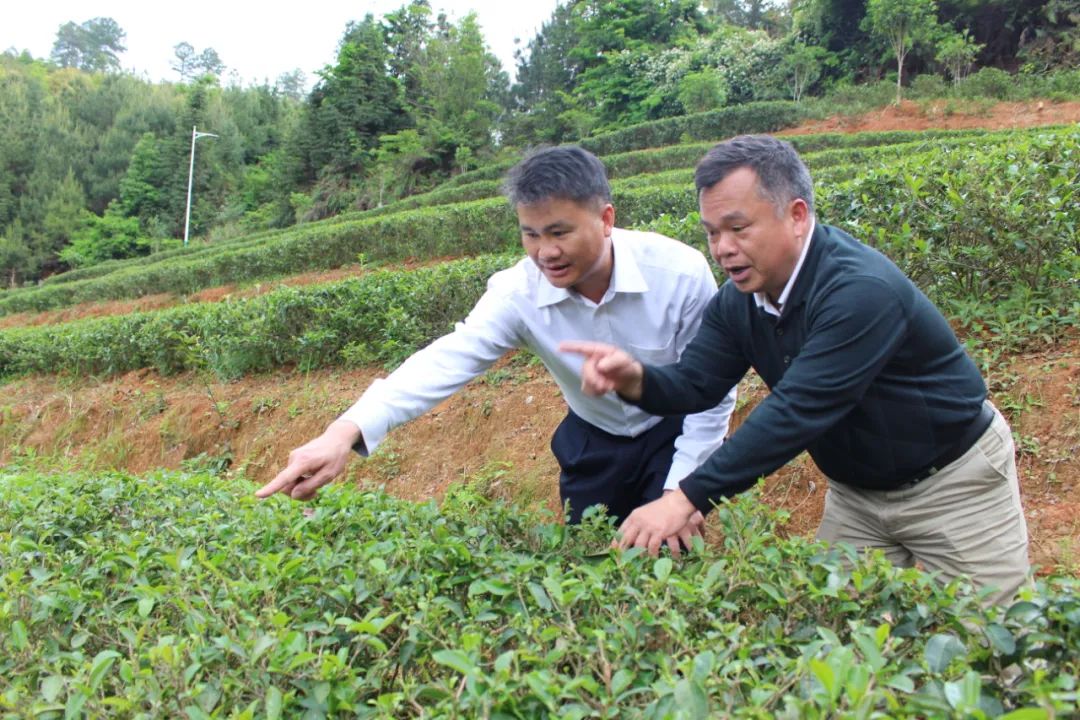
[[865, 374]]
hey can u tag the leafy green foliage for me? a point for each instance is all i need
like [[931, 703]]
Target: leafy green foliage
[[903, 24], [181, 595], [104, 238], [994, 230], [713, 125], [484, 226], [92, 45], [380, 317], [988, 234]]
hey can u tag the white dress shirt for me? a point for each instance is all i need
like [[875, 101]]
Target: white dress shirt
[[652, 308], [762, 300]]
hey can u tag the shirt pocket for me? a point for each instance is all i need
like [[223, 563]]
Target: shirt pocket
[[654, 355]]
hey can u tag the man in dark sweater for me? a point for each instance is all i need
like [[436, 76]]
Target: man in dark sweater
[[865, 374]]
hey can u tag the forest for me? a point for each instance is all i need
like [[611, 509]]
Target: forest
[[94, 161]]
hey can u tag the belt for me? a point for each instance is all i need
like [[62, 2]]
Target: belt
[[970, 437]]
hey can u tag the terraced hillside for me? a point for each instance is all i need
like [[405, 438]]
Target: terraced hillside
[[219, 359]]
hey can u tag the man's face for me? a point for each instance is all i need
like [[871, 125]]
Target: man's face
[[570, 243], [757, 244]]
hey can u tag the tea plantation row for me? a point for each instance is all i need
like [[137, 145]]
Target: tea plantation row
[[990, 237], [181, 596], [457, 230]]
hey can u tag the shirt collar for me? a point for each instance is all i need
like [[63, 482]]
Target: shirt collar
[[763, 302], [626, 276]]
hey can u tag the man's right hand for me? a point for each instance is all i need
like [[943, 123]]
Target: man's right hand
[[607, 368], [314, 464]]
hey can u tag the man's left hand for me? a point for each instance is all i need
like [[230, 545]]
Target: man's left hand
[[650, 525]]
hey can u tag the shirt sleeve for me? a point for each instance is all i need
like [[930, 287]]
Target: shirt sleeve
[[704, 432], [850, 338], [437, 371]]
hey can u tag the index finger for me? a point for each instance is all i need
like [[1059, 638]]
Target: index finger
[[584, 347], [283, 480]]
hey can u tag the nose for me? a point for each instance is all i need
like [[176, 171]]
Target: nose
[[550, 251], [720, 245]]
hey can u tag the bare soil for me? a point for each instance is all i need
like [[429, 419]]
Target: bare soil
[[947, 115]]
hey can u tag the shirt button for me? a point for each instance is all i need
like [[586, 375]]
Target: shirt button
[[779, 331]]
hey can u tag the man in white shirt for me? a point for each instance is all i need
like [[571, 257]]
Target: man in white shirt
[[583, 279]]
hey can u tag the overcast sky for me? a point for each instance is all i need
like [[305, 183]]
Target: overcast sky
[[256, 40]]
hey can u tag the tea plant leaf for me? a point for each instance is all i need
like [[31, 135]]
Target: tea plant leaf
[[456, 660], [101, 665], [51, 687], [273, 703], [662, 569], [1002, 640], [1026, 714], [941, 650], [691, 700]]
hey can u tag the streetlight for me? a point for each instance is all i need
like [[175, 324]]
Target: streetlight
[[195, 135]]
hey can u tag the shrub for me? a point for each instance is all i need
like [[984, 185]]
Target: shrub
[[182, 596], [981, 227], [714, 125], [989, 82]]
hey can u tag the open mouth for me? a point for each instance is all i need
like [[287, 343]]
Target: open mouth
[[738, 273], [556, 271]]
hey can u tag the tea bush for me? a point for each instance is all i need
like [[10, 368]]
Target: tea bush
[[626, 169], [756, 117], [380, 317], [453, 230], [996, 226], [180, 595]]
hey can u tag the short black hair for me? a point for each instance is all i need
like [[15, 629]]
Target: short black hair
[[782, 175], [566, 172]]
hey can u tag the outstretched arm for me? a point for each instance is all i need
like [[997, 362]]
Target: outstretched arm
[[424, 380]]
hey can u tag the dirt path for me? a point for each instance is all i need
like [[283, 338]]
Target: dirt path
[[947, 115], [496, 429]]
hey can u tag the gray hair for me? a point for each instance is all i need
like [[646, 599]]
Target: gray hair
[[782, 175], [567, 172]]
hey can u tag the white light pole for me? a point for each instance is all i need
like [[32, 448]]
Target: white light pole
[[195, 135]]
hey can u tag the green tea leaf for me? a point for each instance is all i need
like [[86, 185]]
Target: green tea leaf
[[273, 702], [941, 649]]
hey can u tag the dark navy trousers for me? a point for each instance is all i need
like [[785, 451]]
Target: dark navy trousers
[[621, 473]]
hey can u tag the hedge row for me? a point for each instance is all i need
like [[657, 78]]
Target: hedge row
[[759, 117], [631, 162], [182, 596], [983, 225], [967, 227], [485, 183], [822, 162], [192, 250], [628, 165], [640, 162], [467, 228], [380, 317], [459, 230]]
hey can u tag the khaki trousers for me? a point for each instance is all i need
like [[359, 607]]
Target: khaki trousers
[[965, 520]]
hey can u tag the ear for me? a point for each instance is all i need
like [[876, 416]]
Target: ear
[[799, 212], [607, 216]]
